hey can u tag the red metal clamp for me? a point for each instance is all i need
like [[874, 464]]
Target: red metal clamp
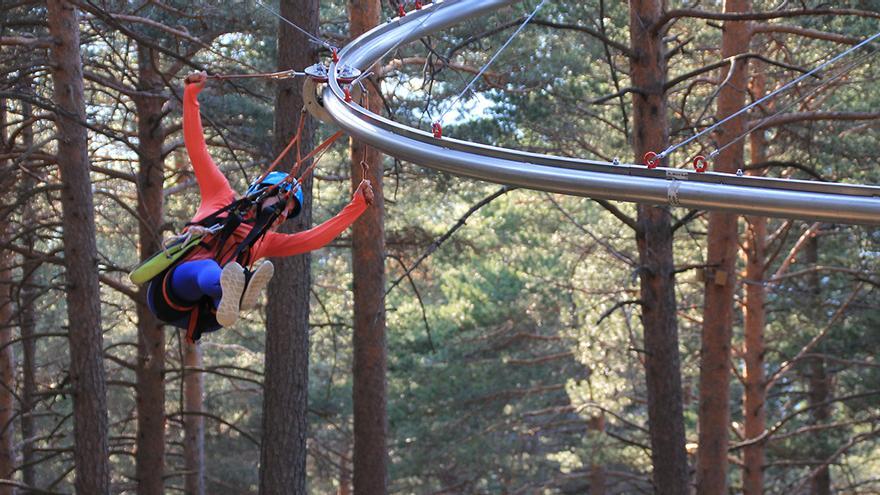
[[347, 95], [437, 129], [335, 54], [651, 159], [701, 164], [418, 4], [401, 10]]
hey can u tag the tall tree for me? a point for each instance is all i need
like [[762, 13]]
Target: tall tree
[[27, 299], [87, 375], [7, 310], [193, 421], [818, 379], [657, 268], [285, 400], [720, 285], [370, 476], [754, 321], [150, 369]]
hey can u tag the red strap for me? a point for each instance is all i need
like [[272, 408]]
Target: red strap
[[294, 140], [193, 323], [167, 297]]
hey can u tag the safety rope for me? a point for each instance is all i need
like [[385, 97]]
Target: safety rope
[[819, 87], [311, 36], [284, 74], [318, 149], [768, 96], [294, 141], [439, 122]]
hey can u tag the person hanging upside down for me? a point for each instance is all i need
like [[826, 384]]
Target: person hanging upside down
[[209, 287]]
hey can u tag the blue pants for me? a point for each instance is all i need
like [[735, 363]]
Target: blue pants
[[193, 280], [188, 283]]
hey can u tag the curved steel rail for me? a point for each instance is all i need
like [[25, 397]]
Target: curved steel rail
[[821, 201]]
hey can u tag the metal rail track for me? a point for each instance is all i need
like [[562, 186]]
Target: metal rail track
[[746, 195]]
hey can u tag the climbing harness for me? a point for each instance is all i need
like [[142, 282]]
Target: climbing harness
[[173, 250]]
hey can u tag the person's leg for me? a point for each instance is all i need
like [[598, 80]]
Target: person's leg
[[256, 282], [232, 282], [192, 280]]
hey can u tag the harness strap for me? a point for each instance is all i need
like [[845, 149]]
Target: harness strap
[[261, 226], [192, 332], [168, 299]]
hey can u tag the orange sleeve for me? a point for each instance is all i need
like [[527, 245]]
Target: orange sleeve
[[275, 244], [213, 186]]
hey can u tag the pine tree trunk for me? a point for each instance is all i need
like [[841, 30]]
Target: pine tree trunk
[[598, 476], [370, 457], [7, 360], [7, 369], [27, 299], [150, 372], [87, 375], [285, 399], [754, 318], [818, 381], [193, 424], [654, 238], [714, 419]]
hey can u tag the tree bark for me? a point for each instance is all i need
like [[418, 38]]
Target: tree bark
[[714, 418], [370, 457], [7, 369], [193, 424], [818, 381], [27, 299], [7, 359], [654, 239], [87, 375], [755, 319], [598, 477], [150, 371], [285, 400]]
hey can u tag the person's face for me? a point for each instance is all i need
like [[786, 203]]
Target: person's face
[[285, 213]]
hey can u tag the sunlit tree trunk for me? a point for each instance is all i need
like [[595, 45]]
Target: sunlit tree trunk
[[87, 375], [657, 271], [714, 419], [193, 424], [285, 400], [150, 371], [368, 259], [754, 321]]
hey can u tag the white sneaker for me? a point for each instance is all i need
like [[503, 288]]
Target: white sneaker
[[232, 282], [259, 278]]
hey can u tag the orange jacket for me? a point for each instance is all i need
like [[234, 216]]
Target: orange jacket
[[216, 193]]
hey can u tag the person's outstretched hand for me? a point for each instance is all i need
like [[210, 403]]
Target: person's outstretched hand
[[366, 188], [197, 78]]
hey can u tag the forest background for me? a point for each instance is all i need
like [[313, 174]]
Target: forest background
[[528, 342]]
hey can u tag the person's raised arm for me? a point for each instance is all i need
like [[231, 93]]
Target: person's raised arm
[[276, 245], [213, 185]]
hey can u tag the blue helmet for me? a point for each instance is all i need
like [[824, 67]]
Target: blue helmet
[[277, 178]]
